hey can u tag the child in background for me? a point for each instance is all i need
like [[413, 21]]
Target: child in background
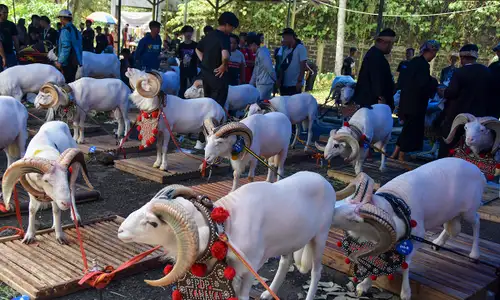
[[236, 63]]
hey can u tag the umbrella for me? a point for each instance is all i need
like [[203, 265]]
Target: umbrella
[[103, 17]]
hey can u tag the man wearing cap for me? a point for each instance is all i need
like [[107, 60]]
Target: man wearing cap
[[447, 73], [469, 91], [349, 63], [70, 47], [375, 83], [292, 66], [48, 33], [417, 86]]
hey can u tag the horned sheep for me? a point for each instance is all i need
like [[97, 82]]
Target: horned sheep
[[431, 192], [259, 217], [88, 94], [48, 171], [266, 135], [367, 126], [170, 83], [103, 65], [300, 109], [13, 128]]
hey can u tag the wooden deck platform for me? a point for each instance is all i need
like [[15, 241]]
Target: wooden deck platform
[[83, 195], [435, 275], [47, 270], [180, 167], [107, 143]]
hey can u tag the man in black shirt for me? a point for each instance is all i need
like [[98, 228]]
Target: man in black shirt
[[8, 32], [214, 51], [34, 29], [348, 64], [49, 33], [189, 61], [88, 36], [101, 40]]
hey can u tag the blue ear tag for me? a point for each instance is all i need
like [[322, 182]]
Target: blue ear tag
[[405, 247], [366, 145], [92, 149], [239, 145]]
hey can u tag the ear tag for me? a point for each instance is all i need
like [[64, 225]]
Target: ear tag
[[405, 247], [36, 152], [92, 149], [237, 147]]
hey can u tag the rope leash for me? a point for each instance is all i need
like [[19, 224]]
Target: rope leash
[[262, 161], [18, 231]]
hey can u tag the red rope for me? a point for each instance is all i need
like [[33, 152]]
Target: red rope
[[125, 138], [19, 231], [80, 241]]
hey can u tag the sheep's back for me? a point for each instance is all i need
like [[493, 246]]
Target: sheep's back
[[54, 134], [272, 130]]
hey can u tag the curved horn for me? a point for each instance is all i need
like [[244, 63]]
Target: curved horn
[[74, 155], [319, 147], [17, 170], [209, 126], [351, 141], [186, 232], [177, 190], [460, 119], [155, 80], [235, 128], [492, 124], [361, 189], [50, 88], [383, 224]]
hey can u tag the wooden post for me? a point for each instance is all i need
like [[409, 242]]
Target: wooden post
[[339, 51], [294, 12], [119, 33], [288, 14], [14, 9], [216, 10], [154, 10], [380, 16], [185, 11], [319, 56]]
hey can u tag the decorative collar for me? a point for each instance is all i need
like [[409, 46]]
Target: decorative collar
[[205, 206], [401, 209]]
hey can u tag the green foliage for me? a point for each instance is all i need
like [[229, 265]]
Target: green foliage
[[26, 8], [324, 81]]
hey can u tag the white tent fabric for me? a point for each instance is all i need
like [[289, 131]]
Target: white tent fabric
[[136, 19]]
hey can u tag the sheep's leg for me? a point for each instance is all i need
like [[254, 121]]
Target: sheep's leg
[[159, 145], [251, 170], [473, 219], [29, 236], [270, 173], [363, 286], [81, 138], [118, 117], [418, 231], [76, 129], [245, 286], [164, 149], [236, 178], [358, 164], [280, 161], [318, 247], [279, 278], [382, 146], [60, 236], [451, 229], [297, 132], [76, 168], [309, 133]]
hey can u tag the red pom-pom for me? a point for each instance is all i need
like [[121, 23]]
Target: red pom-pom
[[452, 151], [139, 137], [355, 279], [390, 277], [339, 244], [490, 177], [155, 131], [199, 270], [467, 151], [145, 115], [176, 295], [154, 114], [404, 265], [152, 140], [3, 208], [138, 127], [266, 101], [219, 250], [139, 118], [413, 223], [373, 277], [229, 273], [346, 124], [497, 166], [141, 147], [233, 298], [148, 142], [347, 260], [70, 169], [219, 215], [167, 269], [482, 155], [363, 138]]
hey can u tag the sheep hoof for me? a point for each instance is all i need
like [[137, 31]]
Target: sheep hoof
[[29, 239], [80, 141], [163, 168], [436, 248], [250, 179], [62, 240], [266, 296], [156, 165]]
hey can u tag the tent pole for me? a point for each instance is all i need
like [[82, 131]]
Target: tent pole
[[380, 16], [119, 33]]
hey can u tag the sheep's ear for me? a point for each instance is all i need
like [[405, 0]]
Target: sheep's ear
[[333, 132], [343, 144]]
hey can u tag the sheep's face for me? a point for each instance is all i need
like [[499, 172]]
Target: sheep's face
[[478, 136], [254, 109], [43, 99], [55, 183], [346, 217], [334, 148], [133, 76], [142, 226], [346, 94], [217, 146], [195, 91], [52, 56]]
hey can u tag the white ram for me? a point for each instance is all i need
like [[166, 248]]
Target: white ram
[[88, 94], [48, 171], [367, 126], [481, 134], [445, 191], [184, 117], [266, 135], [300, 109], [266, 220], [104, 65], [170, 84], [238, 96], [21, 80], [13, 128]]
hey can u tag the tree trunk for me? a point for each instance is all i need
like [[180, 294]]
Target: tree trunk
[[339, 52]]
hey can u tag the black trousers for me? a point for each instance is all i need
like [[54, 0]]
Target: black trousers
[[186, 82], [412, 136], [215, 88], [69, 72], [288, 91]]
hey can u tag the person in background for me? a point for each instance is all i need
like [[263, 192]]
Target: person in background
[[82, 27], [88, 36], [293, 64], [101, 40], [176, 41], [3, 60], [410, 53], [48, 33], [34, 26], [416, 90], [249, 58], [125, 36], [58, 28], [349, 63], [124, 65], [375, 83], [447, 73], [22, 33], [189, 61], [148, 51], [207, 29], [470, 91], [236, 62], [263, 76], [10, 41], [242, 44], [109, 37], [261, 36], [69, 47]]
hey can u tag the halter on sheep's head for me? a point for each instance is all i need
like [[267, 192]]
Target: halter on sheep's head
[[235, 128], [20, 168], [361, 189], [491, 123], [153, 81], [51, 89], [209, 126], [351, 141], [184, 228]]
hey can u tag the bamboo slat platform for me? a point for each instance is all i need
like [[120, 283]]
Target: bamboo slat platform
[[107, 143], [435, 275], [180, 167], [83, 195], [47, 270], [217, 190]]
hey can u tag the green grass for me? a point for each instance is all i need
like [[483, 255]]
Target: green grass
[[6, 293], [320, 95]]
